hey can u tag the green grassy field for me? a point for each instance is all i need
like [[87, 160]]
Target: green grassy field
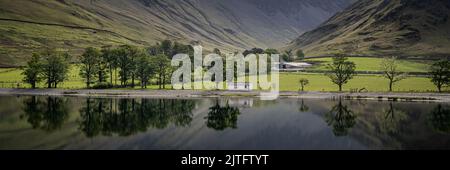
[[374, 64], [373, 83], [289, 82]]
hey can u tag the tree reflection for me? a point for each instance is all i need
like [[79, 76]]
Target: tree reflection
[[221, 118], [92, 115], [341, 118], [439, 119], [126, 117], [47, 114], [303, 107], [390, 119]]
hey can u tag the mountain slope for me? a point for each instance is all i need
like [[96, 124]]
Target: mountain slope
[[31, 25], [383, 27]]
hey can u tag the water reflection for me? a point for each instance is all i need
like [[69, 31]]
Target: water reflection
[[233, 123], [222, 117], [47, 114], [126, 117], [303, 107], [439, 119], [341, 118], [391, 119]]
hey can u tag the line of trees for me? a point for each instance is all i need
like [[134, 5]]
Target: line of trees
[[49, 66], [130, 64], [127, 63], [107, 67]]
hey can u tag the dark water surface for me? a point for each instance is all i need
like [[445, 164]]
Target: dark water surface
[[32, 122]]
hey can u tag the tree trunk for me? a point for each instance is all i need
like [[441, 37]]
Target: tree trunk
[[340, 88], [115, 78], [164, 82], [88, 82], [132, 81], [111, 75], [100, 77], [390, 86], [159, 81]]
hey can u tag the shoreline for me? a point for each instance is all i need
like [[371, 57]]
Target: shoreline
[[381, 96]]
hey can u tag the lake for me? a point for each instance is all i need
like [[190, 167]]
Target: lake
[[43, 122]]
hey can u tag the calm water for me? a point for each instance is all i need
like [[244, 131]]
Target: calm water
[[30, 122]]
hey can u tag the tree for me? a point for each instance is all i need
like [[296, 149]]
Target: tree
[[341, 70], [253, 51], [287, 56], [300, 54], [32, 71], [124, 63], [179, 48], [103, 68], [389, 68], [303, 82], [154, 50], [89, 60], [145, 69], [110, 57], [162, 64], [133, 55], [166, 47], [168, 75], [217, 51], [55, 67], [271, 51], [440, 74]]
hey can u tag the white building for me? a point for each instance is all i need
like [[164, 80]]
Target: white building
[[293, 66]]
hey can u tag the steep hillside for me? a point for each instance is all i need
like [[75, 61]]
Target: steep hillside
[[383, 27], [31, 25]]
